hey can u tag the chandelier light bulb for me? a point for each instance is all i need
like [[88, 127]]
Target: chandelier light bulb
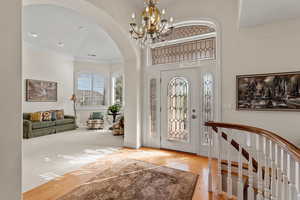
[[163, 12], [133, 16], [147, 9], [171, 19]]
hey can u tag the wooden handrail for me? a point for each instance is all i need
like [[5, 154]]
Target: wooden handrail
[[283, 143]]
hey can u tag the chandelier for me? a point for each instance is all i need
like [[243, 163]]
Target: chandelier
[[153, 26]]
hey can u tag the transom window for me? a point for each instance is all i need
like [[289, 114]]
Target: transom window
[[185, 44]]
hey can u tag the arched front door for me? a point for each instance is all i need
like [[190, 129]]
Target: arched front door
[[186, 102]]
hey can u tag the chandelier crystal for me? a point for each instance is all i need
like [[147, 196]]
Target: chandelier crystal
[[154, 24]]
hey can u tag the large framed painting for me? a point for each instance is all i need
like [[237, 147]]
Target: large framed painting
[[269, 92], [41, 91]]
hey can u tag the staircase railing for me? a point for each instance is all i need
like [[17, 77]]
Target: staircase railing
[[273, 163]]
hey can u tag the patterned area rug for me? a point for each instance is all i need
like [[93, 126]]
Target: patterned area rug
[[136, 180]]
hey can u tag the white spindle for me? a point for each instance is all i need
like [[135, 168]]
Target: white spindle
[[278, 171], [259, 168], [273, 170], [229, 177], [250, 168], [219, 155], [210, 189], [284, 175], [298, 179], [292, 178], [240, 173], [267, 169]]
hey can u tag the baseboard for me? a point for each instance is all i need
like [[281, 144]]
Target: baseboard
[[131, 145]]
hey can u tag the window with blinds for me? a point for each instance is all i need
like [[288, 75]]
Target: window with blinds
[[91, 89]]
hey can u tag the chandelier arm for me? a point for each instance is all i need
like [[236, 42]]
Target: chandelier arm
[[136, 32], [163, 27]]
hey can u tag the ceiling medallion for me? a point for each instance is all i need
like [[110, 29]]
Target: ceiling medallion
[[154, 24]]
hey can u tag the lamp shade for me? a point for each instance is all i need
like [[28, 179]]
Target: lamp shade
[[73, 98]]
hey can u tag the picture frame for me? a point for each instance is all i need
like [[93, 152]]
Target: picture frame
[[268, 92], [41, 91]]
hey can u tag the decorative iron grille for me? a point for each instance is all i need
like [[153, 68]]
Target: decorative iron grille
[[186, 32], [187, 51], [153, 107], [178, 91], [207, 104]]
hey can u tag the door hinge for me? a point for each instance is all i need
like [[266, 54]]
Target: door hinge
[[160, 109], [160, 80]]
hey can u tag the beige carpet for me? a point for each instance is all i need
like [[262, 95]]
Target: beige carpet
[[136, 180]]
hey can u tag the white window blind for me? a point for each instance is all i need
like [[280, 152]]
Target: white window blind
[[91, 89]]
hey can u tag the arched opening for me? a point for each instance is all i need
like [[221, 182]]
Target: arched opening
[[129, 59], [191, 51]]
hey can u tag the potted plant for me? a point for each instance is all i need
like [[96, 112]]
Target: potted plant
[[114, 111]]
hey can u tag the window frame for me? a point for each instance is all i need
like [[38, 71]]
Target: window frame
[[113, 76], [106, 89]]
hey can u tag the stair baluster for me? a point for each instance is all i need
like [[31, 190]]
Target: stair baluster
[[292, 178], [266, 171], [298, 179], [259, 170], [229, 176], [279, 173], [284, 174], [219, 156], [240, 174], [251, 144], [210, 136], [273, 170]]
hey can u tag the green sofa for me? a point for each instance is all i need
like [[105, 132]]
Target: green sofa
[[35, 129]]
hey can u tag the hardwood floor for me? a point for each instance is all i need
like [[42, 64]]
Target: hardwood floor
[[178, 160]]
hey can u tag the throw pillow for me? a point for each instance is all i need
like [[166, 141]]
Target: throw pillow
[[46, 116], [53, 115], [36, 117], [60, 114], [97, 115]]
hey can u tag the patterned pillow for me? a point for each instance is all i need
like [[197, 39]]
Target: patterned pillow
[[53, 115], [36, 117], [60, 114], [46, 116]]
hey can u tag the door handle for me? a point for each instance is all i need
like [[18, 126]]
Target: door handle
[[194, 116]]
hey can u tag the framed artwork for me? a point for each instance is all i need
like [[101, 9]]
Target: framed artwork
[[268, 92], [41, 91]]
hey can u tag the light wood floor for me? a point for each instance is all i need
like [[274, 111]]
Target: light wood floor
[[178, 160]]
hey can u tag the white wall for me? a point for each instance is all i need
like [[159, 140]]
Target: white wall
[[10, 101], [262, 49], [42, 64]]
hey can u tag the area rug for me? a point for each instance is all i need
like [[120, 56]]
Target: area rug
[[136, 180]]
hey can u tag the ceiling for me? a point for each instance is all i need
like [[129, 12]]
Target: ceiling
[[85, 40], [66, 31], [253, 12], [256, 12]]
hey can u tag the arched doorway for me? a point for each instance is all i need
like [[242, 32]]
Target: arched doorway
[[176, 110], [100, 14]]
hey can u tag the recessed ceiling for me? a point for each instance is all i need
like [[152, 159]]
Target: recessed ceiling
[[63, 30], [255, 12]]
